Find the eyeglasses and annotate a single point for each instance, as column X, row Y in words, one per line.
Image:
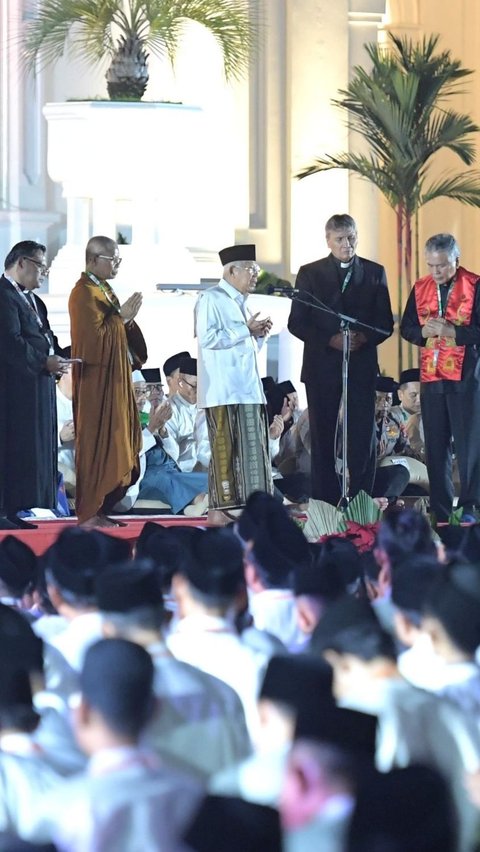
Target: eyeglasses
column 193, row 387
column 116, row 261
column 254, row 269
column 44, row 270
column 154, row 388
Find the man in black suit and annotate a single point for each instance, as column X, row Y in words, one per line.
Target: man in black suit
column 29, row 361
column 358, row 288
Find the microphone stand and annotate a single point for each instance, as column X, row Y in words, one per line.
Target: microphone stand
column 345, row 323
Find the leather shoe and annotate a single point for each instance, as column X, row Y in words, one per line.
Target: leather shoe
column 21, row 524
column 5, row 524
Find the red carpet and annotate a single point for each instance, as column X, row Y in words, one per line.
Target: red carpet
column 47, row 531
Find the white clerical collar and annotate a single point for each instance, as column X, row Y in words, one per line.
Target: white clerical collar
column 346, row 265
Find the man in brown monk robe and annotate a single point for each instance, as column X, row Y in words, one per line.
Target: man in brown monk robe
column 110, row 345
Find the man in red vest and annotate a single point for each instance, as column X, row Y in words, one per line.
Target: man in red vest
column 442, row 316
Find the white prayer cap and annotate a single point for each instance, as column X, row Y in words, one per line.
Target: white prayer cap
column 137, row 376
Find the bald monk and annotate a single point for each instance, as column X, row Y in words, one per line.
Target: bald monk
column 110, row 345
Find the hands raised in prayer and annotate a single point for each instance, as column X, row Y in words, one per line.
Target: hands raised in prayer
column 130, row 308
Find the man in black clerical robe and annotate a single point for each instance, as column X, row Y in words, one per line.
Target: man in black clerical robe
column 28, row 364
column 356, row 287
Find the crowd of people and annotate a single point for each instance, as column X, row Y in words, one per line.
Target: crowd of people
column 242, row 688
column 234, row 685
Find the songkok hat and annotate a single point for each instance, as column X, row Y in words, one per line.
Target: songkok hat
column 152, row 374
column 386, row 384
column 350, row 626
column 21, row 648
column 342, row 554
column 412, row 580
column 78, row 556
column 15, row 688
column 173, row 363
column 465, row 541
column 286, row 387
column 216, row 564
column 279, row 546
column 117, row 680
column 228, row 824
column 407, row 376
column 320, row 577
column 124, row 587
column 405, row 809
column 188, row 366
column 293, row 679
column 268, row 382
column 275, row 397
column 350, row 730
column 234, row 253
column 18, row 565
column 454, row 599
column 167, row 547
column 257, row 507
column 138, row 376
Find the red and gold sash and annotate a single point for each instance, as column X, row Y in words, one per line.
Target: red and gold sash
column 441, row 358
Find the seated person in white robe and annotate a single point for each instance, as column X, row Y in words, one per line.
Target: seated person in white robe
column 451, row 618
column 415, row 726
column 160, row 477
column 25, row 768
column 126, row 799
column 171, row 369
column 187, row 427
column 274, row 548
column 200, row 723
column 71, row 565
column 290, row 682
column 206, row 587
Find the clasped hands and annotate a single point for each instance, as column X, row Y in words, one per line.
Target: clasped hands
column 357, row 340
column 438, row 327
column 159, row 416
column 130, row 308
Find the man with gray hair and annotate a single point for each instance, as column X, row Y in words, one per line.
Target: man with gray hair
column 345, row 283
column 229, row 385
column 442, row 317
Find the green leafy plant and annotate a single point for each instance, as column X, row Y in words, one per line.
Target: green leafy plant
column 266, row 280
column 323, row 519
column 124, row 30
column 399, row 110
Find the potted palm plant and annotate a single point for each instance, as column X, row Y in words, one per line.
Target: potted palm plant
column 125, row 30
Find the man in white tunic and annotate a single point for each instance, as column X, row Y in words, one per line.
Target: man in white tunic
column 229, row 385
column 127, row 799
column 200, row 724
column 188, row 443
column 206, row 588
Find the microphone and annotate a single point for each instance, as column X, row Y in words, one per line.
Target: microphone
column 281, row 290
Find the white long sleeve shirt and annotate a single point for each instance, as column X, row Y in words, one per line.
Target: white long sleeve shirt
column 227, row 366
column 188, row 437
column 66, row 451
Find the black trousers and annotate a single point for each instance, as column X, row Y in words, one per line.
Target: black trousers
column 323, row 399
column 447, row 416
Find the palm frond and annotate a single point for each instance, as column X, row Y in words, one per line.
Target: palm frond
column 363, row 509
column 100, row 25
column 368, row 168
column 449, row 129
column 463, row 187
column 322, row 519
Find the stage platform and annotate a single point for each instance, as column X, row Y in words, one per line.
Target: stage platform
column 48, row 530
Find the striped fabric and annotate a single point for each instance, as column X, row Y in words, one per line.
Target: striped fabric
column 240, row 461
